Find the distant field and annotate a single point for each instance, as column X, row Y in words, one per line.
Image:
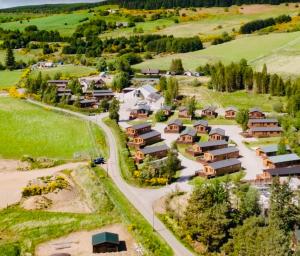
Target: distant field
column 22, row 55
column 252, row 48
column 9, row 78
column 69, row 70
column 239, row 99
column 26, row 129
column 64, row 23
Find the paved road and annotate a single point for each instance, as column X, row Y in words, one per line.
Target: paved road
column 12, row 182
column 142, row 199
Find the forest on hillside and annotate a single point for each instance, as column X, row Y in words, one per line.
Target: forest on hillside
column 157, row 4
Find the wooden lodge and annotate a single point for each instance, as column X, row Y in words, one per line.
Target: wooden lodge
column 256, row 113
column 174, row 126
column 201, row 147
column 167, row 110
column 188, row 136
column 138, row 129
column 145, row 139
column 105, row 242
column 217, row 134
column 262, row 123
column 230, row 112
column 58, row 83
column 222, row 167
column 154, row 151
column 86, row 103
column 281, row 172
column 140, row 111
column 63, row 92
column 264, row 132
column 201, row 126
column 183, row 112
column 221, row 154
column 209, row 111
column 281, row 161
column 270, row 150
column 102, row 94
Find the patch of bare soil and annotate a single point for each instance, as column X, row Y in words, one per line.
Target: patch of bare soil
column 8, row 165
column 79, row 243
column 65, row 200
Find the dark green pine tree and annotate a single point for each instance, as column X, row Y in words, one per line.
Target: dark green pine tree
column 10, row 59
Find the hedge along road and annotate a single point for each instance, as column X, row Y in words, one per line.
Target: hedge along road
column 141, row 198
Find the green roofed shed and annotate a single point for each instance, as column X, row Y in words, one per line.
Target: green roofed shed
column 105, row 242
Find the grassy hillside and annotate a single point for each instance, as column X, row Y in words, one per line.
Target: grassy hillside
column 26, row 129
column 252, row 48
column 9, row 78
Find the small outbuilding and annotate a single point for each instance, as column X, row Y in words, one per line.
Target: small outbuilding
column 201, row 126
column 105, row 242
column 230, row 112
column 209, row 111
column 174, row 126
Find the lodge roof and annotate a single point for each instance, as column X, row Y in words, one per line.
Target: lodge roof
column 165, row 107
column 154, row 149
column 223, row 151
column 255, row 109
column 264, row 120
column 224, row 163
column 102, row 93
column 105, row 237
column 272, row 148
column 266, row 129
column 140, row 126
column 212, row 143
column 210, row 108
column 284, row 158
column 284, row 171
column 176, row 122
column 149, row 135
column 201, row 122
column 217, row 131
column 231, row 108
column 189, row 131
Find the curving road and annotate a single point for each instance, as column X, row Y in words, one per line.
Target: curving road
column 142, row 199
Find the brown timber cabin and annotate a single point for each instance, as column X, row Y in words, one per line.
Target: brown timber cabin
column 270, row 150
column 281, row 161
column 264, row 132
column 138, row 129
column 256, row 113
column 209, row 111
column 199, row 148
column 188, row 136
column 221, row 154
column 201, row 126
column 154, row 151
column 184, row 113
column 174, row 126
column 262, row 123
column 145, row 139
column 222, row 167
column 230, row 112
column 217, row 134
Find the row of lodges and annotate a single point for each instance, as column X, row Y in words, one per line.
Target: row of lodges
column 265, row 127
column 141, row 137
column 278, row 165
column 91, row 97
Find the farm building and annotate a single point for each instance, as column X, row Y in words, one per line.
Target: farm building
column 230, row 112
column 167, row 110
column 141, row 111
column 105, row 242
column 262, row 123
column 138, row 129
column 199, row 148
column 188, row 136
column 256, row 113
column 270, row 150
column 183, row 112
column 145, row 139
column 174, row 126
column 264, row 132
column 209, row 111
column 154, row 151
column 103, row 94
column 281, row 161
column 221, row 154
column 150, row 72
column 222, row 167
column 201, row 126
column 217, row 134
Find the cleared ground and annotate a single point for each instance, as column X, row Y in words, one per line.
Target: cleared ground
column 253, row 48
column 26, row 129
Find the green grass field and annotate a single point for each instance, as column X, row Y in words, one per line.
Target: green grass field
column 239, row 99
column 67, row 71
column 64, row 23
column 21, row 55
column 252, row 48
column 9, row 78
column 26, row 129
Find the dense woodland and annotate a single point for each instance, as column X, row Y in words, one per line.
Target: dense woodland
column 158, row 4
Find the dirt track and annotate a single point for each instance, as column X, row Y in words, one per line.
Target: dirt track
column 12, row 181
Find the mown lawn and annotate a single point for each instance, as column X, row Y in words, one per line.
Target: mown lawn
column 251, row 48
column 26, row 129
column 9, row 78
column 67, row 71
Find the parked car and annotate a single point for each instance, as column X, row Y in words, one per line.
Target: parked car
column 99, row 160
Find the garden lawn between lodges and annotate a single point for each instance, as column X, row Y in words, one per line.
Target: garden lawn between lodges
column 26, row 129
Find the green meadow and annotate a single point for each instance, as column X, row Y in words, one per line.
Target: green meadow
column 253, row 48
column 9, row 78
column 26, row 129
column 22, row 55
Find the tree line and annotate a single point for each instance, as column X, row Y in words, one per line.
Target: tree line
column 158, row 4
column 255, row 25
